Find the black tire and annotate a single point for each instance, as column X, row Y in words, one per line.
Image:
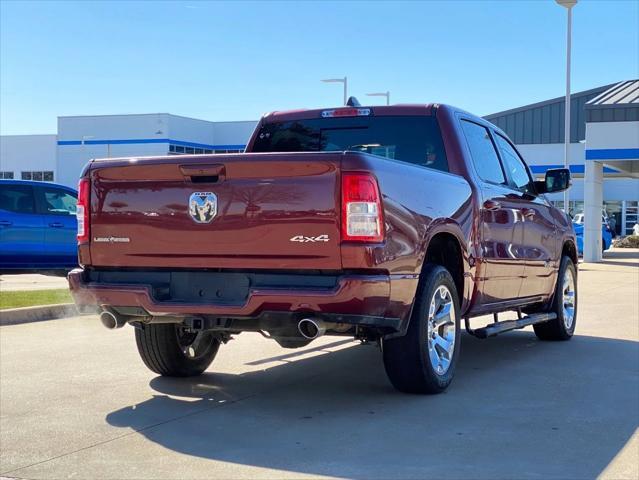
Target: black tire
column 407, row 359
column 560, row 328
column 164, row 349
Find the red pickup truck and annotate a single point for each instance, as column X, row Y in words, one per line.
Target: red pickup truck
column 386, row 224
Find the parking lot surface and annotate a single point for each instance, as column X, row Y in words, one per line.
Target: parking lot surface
column 76, row 402
column 31, row 281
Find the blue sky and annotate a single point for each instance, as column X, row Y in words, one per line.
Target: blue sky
column 237, row 60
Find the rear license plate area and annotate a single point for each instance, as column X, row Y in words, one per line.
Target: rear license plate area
column 206, row 287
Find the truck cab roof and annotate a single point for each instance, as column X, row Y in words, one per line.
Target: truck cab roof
column 383, row 110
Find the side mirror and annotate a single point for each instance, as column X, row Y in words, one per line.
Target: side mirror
column 557, row 180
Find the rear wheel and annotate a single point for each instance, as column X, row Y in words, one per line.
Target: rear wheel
column 424, row 360
column 564, row 305
column 173, row 351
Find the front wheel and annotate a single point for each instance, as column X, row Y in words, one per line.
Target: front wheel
column 564, row 305
column 173, row 351
column 424, row 360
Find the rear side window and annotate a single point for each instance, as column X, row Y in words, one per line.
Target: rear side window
column 415, row 140
column 17, row 198
column 514, row 165
column 483, row 153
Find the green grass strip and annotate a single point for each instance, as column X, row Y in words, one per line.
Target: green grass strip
column 32, row 298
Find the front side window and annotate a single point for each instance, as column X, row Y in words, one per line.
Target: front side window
column 17, row 198
column 514, row 165
column 59, row 202
column 483, row 153
column 414, row 140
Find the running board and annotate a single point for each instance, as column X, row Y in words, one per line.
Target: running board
column 500, row 327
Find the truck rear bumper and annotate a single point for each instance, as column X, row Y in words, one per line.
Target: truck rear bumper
column 353, row 299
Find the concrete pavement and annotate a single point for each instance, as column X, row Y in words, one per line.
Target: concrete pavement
column 31, row 281
column 76, row 401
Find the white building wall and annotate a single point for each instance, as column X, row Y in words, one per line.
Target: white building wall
column 552, row 153
column 233, row 133
column 614, row 189
column 82, row 138
column 22, row 153
column 190, row 130
column 612, row 135
column 113, row 127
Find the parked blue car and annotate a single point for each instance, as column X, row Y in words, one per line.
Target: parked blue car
column 37, row 226
column 606, row 237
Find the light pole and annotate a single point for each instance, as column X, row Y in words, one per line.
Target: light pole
column 84, row 138
column 339, row 80
column 381, row 94
column 568, row 4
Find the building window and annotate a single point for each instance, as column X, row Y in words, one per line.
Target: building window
column 179, row 150
column 42, row 176
column 575, row 206
column 631, row 217
column 6, row 175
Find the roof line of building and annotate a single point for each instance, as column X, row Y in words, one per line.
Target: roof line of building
column 623, row 94
column 549, row 102
column 28, row 135
column 155, row 114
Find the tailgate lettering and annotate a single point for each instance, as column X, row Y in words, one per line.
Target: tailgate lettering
column 305, row 239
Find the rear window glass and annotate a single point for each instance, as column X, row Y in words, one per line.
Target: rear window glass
column 415, row 140
column 17, row 198
column 483, row 153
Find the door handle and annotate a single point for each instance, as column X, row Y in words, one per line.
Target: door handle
column 5, row 223
column 56, row 225
column 200, row 173
column 492, row 205
column 528, row 212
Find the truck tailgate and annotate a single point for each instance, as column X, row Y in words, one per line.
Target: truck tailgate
column 222, row 211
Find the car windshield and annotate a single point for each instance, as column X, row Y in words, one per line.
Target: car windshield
column 415, row 139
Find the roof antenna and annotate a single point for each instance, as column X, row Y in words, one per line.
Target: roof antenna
column 353, row 102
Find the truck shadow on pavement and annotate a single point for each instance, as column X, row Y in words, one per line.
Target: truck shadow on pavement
column 518, row 408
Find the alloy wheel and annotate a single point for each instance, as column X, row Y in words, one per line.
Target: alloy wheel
column 441, row 330
column 568, row 299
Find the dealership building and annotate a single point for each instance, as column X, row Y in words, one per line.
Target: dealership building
column 60, row 157
column 603, row 153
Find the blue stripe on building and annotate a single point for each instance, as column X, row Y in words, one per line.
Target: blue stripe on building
column 538, row 169
column 612, row 154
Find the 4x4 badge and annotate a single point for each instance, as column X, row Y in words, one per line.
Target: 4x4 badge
column 202, row 206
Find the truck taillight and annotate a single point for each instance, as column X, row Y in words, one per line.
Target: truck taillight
column 82, row 212
column 362, row 219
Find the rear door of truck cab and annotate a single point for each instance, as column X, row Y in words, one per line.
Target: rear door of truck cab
column 21, row 227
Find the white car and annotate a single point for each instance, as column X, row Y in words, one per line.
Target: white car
column 579, row 218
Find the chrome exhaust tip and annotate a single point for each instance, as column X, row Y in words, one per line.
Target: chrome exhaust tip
column 110, row 320
column 311, row 328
